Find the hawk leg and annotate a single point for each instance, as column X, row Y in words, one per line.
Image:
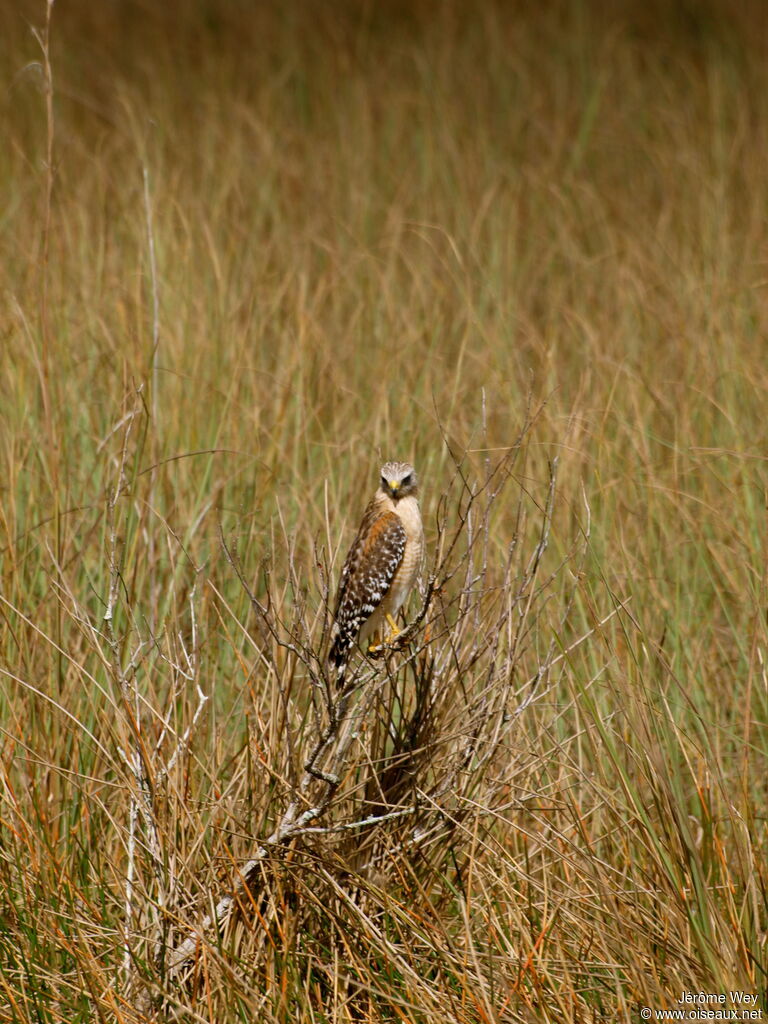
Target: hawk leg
column 394, row 630
column 375, row 642
column 378, row 641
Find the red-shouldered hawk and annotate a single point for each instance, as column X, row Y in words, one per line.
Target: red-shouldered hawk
column 381, row 567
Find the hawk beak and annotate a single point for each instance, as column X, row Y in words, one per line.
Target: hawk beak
column 394, row 485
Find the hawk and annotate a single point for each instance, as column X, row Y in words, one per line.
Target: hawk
column 381, row 567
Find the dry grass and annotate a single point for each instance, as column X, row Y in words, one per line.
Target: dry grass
column 269, row 248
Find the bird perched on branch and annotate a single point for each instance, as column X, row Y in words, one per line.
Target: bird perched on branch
column 381, row 567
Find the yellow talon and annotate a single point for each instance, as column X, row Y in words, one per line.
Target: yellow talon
column 377, row 641
column 394, row 629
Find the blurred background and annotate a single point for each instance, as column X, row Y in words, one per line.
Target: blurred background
column 250, row 250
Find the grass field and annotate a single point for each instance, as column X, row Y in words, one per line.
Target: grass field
column 247, row 253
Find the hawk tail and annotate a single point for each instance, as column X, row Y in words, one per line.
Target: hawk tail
column 338, row 658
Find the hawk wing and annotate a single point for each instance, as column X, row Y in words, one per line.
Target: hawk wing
column 369, row 569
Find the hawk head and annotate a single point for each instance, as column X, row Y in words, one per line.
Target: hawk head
column 398, row 480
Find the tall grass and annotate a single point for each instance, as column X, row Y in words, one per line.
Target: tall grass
column 245, row 255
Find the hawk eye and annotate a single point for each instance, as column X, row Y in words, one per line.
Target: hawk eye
column 407, row 480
